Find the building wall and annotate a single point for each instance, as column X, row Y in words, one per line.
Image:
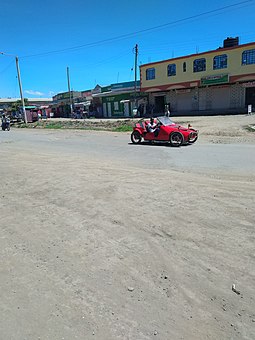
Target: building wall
column 235, row 70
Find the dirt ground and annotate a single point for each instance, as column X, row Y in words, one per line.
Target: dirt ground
column 222, row 129
column 106, row 250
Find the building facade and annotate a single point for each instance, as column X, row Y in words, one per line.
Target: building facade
column 120, row 99
column 6, row 103
column 62, row 102
column 213, row 82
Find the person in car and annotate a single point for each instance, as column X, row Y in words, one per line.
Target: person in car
column 152, row 127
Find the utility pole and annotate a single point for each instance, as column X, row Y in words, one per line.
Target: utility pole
column 70, row 97
column 136, row 55
column 20, row 90
column 20, row 85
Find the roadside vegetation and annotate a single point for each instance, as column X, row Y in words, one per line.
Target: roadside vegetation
column 250, row 128
column 116, row 126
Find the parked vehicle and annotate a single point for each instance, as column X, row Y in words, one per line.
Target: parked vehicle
column 166, row 131
column 16, row 116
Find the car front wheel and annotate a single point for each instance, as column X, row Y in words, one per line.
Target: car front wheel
column 193, row 140
column 176, row 139
column 136, row 137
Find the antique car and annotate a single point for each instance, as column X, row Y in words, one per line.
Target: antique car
column 165, row 130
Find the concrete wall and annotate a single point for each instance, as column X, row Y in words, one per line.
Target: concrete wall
column 204, row 100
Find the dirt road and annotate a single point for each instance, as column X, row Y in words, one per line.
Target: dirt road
column 101, row 242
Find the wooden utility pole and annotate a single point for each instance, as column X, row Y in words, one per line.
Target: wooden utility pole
column 20, row 85
column 70, row 97
column 20, row 90
column 136, row 55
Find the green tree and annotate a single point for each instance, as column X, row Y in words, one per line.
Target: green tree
column 18, row 104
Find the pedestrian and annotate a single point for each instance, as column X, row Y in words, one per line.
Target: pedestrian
column 167, row 110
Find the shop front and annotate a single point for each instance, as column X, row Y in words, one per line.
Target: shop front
column 250, row 94
column 119, row 105
column 120, row 100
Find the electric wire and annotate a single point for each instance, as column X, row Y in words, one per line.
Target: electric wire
column 7, row 67
column 128, row 35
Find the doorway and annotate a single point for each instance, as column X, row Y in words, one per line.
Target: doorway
column 109, row 109
column 104, row 110
column 159, row 104
column 250, row 96
column 126, row 109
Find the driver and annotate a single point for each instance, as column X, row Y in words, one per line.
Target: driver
column 153, row 127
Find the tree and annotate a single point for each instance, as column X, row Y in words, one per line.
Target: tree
column 18, row 104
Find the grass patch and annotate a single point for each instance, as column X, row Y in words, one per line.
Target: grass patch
column 123, row 128
column 52, row 125
column 115, row 126
column 250, row 128
column 21, row 125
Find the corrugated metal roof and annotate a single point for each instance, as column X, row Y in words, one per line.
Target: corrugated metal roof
column 30, row 100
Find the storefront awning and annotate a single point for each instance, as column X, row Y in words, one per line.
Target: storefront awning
column 88, row 102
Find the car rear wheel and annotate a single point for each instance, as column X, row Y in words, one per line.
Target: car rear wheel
column 176, row 139
column 136, row 137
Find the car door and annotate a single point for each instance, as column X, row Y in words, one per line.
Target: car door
column 162, row 134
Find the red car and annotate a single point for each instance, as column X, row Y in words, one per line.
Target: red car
column 166, row 131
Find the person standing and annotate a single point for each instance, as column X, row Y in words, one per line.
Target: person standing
column 167, row 110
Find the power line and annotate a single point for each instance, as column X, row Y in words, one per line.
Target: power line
column 124, row 36
column 110, row 59
column 7, row 67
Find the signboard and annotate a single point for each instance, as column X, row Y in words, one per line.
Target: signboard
column 66, row 95
column 106, row 89
column 156, row 94
column 126, row 84
column 250, row 84
column 216, row 79
column 249, row 109
column 194, row 84
column 85, row 94
column 182, row 91
column 63, row 95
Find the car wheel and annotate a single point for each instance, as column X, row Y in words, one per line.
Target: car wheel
column 176, row 139
column 136, row 137
column 193, row 140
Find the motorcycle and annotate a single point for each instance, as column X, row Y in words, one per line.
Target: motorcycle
column 6, row 124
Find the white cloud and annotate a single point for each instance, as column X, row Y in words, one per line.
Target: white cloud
column 34, row 93
column 51, row 93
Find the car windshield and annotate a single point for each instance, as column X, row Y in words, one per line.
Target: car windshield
column 165, row 120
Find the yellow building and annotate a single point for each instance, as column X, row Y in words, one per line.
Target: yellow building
column 218, row 81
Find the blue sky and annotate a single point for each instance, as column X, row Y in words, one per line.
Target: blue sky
column 45, row 34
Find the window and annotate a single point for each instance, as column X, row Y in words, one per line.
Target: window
column 171, row 70
column 220, row 61
column 150, row 73
column 248, row 57
column 184, row 67
column 199, row 65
